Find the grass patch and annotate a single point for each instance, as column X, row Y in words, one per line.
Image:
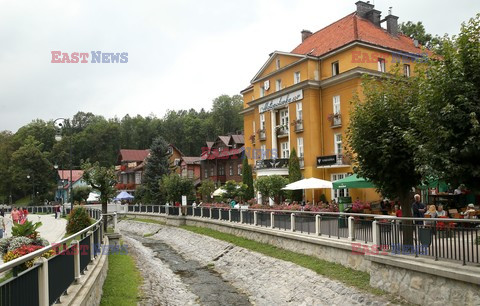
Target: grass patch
column 331, row 270
column 145, row 220
column 123, row 280
column 148, row 235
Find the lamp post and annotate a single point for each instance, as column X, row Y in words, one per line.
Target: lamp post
column 33, row 188
column 58, row 137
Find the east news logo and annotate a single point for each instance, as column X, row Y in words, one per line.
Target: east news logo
column 97, row 57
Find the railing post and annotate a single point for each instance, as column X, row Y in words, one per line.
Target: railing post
column 167, row 210
column 375, row 234
column 76, row 259
column 180, row 210
column 92, row 250
column 292, row 222
column 201, row 212
column 351, row 228
column 220, row 214
column 43, row 294
column 99, row 233
column 255, row 217
column 241, row 216
column 272, row 220
column 318, row 231
column 210, row 213
column 229, row 215
column 115, row 222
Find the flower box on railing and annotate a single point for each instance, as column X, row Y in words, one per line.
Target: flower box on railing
column 335, row 119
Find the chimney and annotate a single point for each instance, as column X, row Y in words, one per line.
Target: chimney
column 363, row 8
column 392, row 24
column 306, row 34
column 374, row 16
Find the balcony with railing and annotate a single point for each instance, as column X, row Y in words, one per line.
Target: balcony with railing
column 335, row 120
column 262, row 135
column 298, row 125
column 282, row 130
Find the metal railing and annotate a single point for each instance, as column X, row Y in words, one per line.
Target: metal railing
column 48, row 279
column 451, row 239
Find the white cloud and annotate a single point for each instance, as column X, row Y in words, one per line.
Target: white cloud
column 182, row 54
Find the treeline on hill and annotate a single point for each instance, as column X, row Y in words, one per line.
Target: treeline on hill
column 33, row 151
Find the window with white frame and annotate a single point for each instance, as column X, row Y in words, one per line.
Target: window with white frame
column 263, row 148
column 221, row 170
column 296, row 77
column 262, row 122
column 336, row 193
column 381, row 65
column 278, row 85
column 190, row 173
column 284, row 117
column 262, row 91
column 299, row 111
column 205, row 170
column 300, row 151
column 230, row 170
column 335, row 68
column 285, row 150
column 338, row 144
column 406, row 70
column 336, row 105
column 239, row 169
column 212, row 169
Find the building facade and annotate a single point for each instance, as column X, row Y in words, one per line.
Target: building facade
column 221, row 160
column 301, row 99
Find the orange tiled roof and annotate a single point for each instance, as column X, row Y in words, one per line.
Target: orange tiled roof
column 353, row 28
column 64, row 174
column 133, row 155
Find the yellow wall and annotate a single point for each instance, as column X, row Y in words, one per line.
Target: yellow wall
column 317, row 104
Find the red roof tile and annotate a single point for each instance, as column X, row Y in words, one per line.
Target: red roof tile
column 133, row 155
column 353, row 28
column 65, row 174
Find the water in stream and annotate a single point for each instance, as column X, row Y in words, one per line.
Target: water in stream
column 203, row 281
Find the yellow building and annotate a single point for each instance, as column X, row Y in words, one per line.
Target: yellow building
column 301, row 98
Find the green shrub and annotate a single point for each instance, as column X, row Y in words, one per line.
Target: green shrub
column 77, row 220
column 27, row 229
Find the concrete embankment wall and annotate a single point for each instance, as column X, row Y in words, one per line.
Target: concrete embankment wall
column 418, row 280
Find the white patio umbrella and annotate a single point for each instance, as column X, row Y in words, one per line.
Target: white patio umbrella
column 310, row 183
column 218, row 192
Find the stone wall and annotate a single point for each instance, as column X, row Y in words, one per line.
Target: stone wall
column 420, row 281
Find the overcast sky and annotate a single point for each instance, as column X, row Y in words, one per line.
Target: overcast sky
column 181, row 53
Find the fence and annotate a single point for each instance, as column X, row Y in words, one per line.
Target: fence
column 47, row 280
column 449, row 239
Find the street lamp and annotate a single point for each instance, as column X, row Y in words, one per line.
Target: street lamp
column 59, row 123
column 33, row 188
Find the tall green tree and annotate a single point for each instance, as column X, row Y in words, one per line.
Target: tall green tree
column 102, row 179
column 174, row 186
column 30, row 160
column 379, row 122
column 6, row 151
column 417, row 31
column 446, row 121
column 247, row 179
column 294, row 174
column 156, row 167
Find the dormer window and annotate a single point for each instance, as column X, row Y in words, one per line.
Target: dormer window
column 335, row 68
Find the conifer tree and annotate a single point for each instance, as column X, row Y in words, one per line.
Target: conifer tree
column 294, row 174
column 248, row 179
column 156, row 167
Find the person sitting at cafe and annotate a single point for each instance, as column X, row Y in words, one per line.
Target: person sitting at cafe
column 432, row 211
column 469, row 212
column 441, row 212
column 398, row 211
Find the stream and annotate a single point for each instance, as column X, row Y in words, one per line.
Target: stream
column 201, row 280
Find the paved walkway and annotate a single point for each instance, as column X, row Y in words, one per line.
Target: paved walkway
column 52, row 229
